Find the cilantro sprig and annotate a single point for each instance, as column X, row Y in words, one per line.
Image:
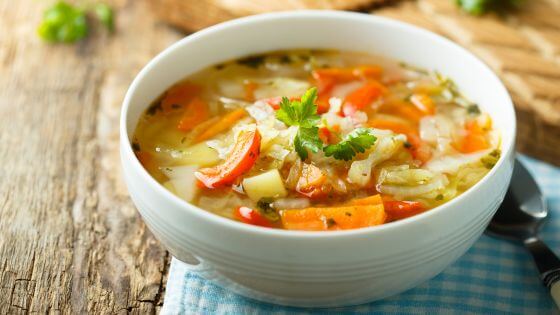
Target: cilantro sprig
column 355, row 142
column 302, row 113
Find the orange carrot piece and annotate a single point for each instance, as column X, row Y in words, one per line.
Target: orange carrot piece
column 361, row 97
column 242, row 157
column 395, row 126
column 226, row 122
column 371, row 200
column 341, row 75
column 424, row 103
column 333, row 218
column 195, row 113
column 250, row 87
column 179, row 96
column 474, row 140
column 311, row 181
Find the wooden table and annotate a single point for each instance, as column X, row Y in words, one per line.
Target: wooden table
column 70, row 239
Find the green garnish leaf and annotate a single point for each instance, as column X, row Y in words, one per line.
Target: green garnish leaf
column 63, row 23
column 301, row 113
column 267, row 210
column 307, row 139
column 491, row 159
column 105, row 14
column 473, row 109
column 478, row 7
column 355, row 142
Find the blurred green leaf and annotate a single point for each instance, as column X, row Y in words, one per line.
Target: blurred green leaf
column 105, row 14
column 64, row 23
column 478, row 7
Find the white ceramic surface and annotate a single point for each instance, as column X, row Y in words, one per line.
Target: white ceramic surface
column 318, row 268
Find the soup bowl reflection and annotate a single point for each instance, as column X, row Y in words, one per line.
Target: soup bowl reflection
column 302, row 268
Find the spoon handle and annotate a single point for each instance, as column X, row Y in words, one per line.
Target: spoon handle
column 548, row 264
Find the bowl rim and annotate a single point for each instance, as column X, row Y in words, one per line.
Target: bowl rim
column 127, row 153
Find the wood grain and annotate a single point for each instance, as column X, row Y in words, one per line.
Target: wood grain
column 195, row 15
column 70, row 239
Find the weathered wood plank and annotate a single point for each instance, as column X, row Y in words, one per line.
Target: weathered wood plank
column 70, row 239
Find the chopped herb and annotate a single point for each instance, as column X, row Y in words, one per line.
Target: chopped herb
column 169, row 169
column 135, row 146
column 491, row 159
column 305, row 57
column 183, row 139
column 252, row 61
column 105, row 14
column 266, row 209
column 355, row 142
column 285, row 59
column 439, row 197
column 473, row 109
column 154, row 108
column 407, row 145
column 406, row 66
column 331, row 222
column 348, row 214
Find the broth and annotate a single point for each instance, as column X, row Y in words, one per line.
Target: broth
column 315, row 140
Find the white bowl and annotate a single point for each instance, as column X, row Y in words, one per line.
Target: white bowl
column 318, row 268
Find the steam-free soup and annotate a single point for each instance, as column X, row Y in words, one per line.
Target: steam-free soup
column 316, row 140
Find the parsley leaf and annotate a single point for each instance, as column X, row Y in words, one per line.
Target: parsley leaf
column 355, row 142
column 307, row 138
column 301, row 113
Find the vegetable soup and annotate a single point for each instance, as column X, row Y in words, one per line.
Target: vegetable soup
column 316, row 140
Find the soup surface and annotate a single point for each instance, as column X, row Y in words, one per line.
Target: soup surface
column 315, row 140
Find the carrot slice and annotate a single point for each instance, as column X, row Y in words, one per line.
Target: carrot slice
column 361, row 97
column 242, row 157
column 474, row 140
column 334, row 218
column 311, row 181
column 341, row 75
column 397, row 210
column 424, row 103
column 179, row 96
column 250, row 87
column 195, row 113
column 226, row 122
column 371, row 200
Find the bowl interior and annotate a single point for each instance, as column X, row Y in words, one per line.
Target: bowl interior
column 327, row 30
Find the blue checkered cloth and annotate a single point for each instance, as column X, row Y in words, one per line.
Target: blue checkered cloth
column 493, row 277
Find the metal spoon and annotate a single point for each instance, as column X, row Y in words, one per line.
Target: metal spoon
column 519, row 218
